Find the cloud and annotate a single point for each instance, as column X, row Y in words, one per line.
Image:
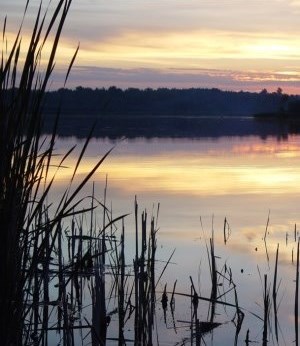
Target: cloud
column 295, row 3
column 92, row 76
column 95, row 22
column 152, row 42
column 196, row 49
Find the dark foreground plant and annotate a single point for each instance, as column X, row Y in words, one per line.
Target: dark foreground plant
column 42, row 287
column 27, row 235
column 43, row 282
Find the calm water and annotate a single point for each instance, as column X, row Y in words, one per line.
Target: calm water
column 199, row 182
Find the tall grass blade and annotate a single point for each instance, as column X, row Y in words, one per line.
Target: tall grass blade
column 297, row 297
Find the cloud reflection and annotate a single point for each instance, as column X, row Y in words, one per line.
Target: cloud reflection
column 271, row 167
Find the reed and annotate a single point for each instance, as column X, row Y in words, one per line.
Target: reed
column 247, row 340
column 275, row 289
column 297, row 297
column 122, row 288
column 24, row 163
column 145, row 281
column 214, row 279
column 30, row 238
column 266, row 299
column 46, row 285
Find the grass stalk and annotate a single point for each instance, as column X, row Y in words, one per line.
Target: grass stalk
column 136, row 277
column 22, row 163
column 121, row 288
column 297, row 297
column 266, row 298
column 214, row 280
column 275, row 288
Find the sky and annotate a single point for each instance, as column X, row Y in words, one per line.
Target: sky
column 226, row 44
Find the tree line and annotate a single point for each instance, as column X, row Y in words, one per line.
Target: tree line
column 166, row 102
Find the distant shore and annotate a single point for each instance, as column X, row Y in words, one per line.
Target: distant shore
column 164, row 102
column 169, row 112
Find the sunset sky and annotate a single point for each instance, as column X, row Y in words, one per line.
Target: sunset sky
column 227, row 44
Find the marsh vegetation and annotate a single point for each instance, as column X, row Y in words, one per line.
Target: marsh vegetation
column 66, row 274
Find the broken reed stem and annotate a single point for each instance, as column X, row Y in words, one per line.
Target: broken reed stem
column 172, row 301
column 247, row 340
column 192, row 314
column 136, row 277
column 142, row 279
column 46, row 271
column 214, row 279
column 266, row 310
column 240, row 316
column 297, row 296
column 121, row 288
column 151, row 284
column 103, row 250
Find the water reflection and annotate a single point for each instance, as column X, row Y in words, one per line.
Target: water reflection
column 171, row 126
column 226, row 166
column 240, row 178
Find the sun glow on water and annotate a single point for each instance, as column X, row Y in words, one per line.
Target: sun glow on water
column 250, row 168
column 198, row 183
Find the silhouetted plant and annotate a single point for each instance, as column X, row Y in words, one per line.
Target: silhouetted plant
column 27, row 234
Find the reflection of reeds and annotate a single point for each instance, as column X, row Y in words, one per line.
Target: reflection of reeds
column 239, row 317
column 32, row 255
column 144, row 276
column 247, row 340
column 199, row 329
column 45, row 284
column 226, row 231
column 265, row 239
column 121, row 288
column 214, row 279
column 266, row 298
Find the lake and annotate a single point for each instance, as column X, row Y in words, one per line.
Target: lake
column 251, row 181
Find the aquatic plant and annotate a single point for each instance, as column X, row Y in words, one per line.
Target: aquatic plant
column 54, row 267
column 28, row 234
